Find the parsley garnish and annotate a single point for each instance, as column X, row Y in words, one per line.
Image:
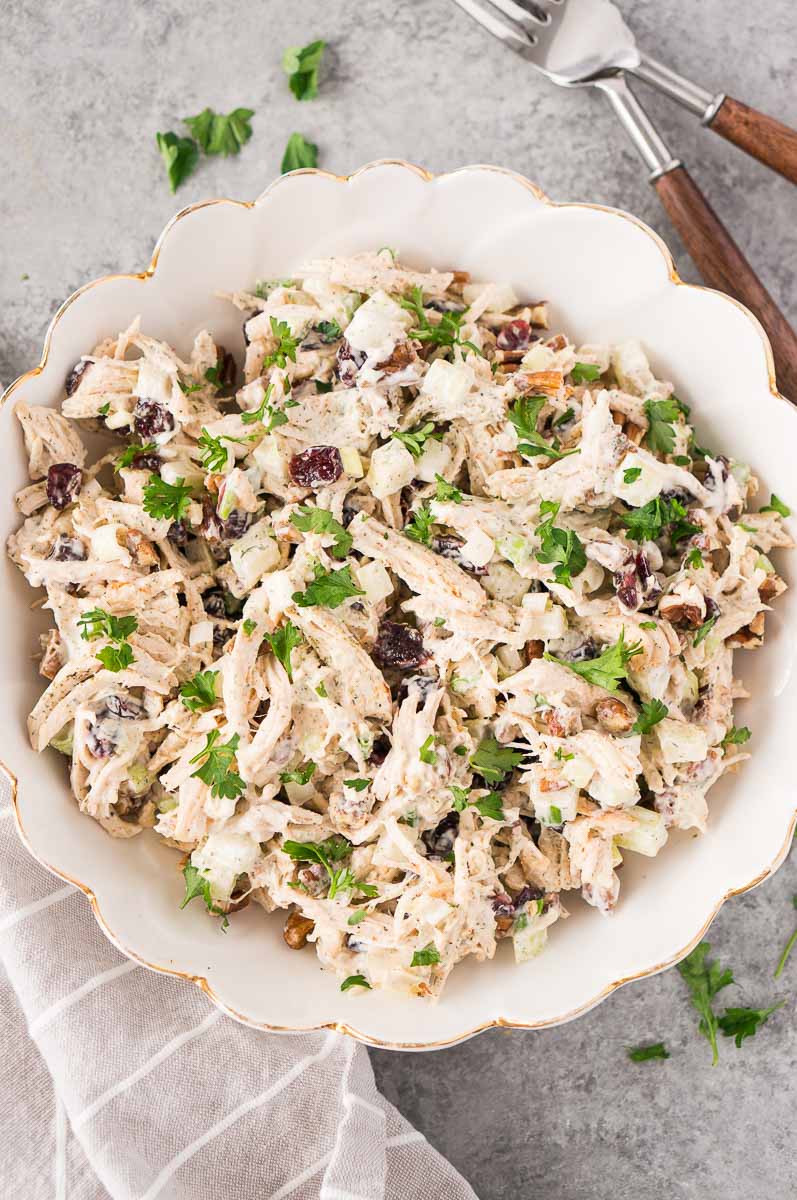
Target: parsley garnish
column 523, row 414
column 447, row 332
column 461, row 797
column 286, row 345
column 608, row 668
column 355, row 981
column 563, row 418
column 643, row 1053
column 319, row 520
column 216, row 769
column 651, row 712
column 560, row 546
column 420, row 527
column 446, row 492
column 322, row 386
column 555, row 814
column 493, row 761
column 282, row 641
column 787, row 949
column 647, row 523
column 426, row 957
column 427, row 752
column 330, row 851
column 704, row 630
column 490, row 806
column 220, row 134
column 301, row 65
column 585, row 373
column 276, row 416
column 415, row 440
column 358, row 785
column 116, row 658
column 126, row 457
column 180, row 156
column 660, row 414
column 322, row 691
column 299, row 153
column 166, row 500
column 104, row 409
column 694, row 558
column 96, row 622
column 329, row 331
column 648, row 625
column 704, row 979
column 213, row 454
column 356, row 917
column 329, row 588
column 631, row 474
column 197, row 885
column 249, row 626
column 776, row 505
column 301, row 775
column 736, row 737
column 741, row 1023
column 199, row 692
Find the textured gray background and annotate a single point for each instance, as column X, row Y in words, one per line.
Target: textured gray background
column 85, row 85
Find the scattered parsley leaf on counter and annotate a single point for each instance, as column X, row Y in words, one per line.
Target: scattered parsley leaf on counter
column 585, row 373
column 319, row 520
column 493, row 761
column 358, row 785
column 282, row 641
column 704, row 979
column 644, row 1053
column 426, row 957
column 741, row 1023
column 301, row 65
column 415, row 440
column 199, row 692
column 132, row 451
column 776, row 505
column 661, row 414
column 197, row 885
column 301, row 775
column 215, row 769
column 286, row 345
column 299, row 153
column 420, row 527
column 608, row 668
column 523, row 414
column 169, row 501
column 787, row 949
column 736, row 737
column 116, row 658
column 427, row 752
column 704, row 630
column 220, row 134
column 355, row 981
column 180, row 155
column 650, row 713
column 329, row 588
column 447, row 332
column 446, row 492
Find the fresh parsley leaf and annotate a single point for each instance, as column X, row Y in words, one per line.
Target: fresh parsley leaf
column 682, row 460
column 282, row 641
column 321, row 691
column 322, row 386
column 704, row 979
column 199, row 692
column 116, row 658
column 249, row 626
column 648, row 625
column 272, row 418
column 644, row 1053
column 704, row 630
column 560, row 546
column 104, row 409
column 355, row 981
column 420, row 527
column 646, row 524
column 585, row 373
column 427, row 752
column 631, row 474
column 741, row 1023
column 358, row 785
column 220, row 134
column 169, row 501
column 213, row 454
column 301, row 66
column 523, row 414
column 563, row 418
column 555, row 813
column 426, row 957
column 319, row 520
column 608, row 668
column 415, row 440
column 446, row 333
column 96, row 622
column 197, row 885
column 491, row 806
column 787, row 949
column 736, row 737
column 125, row 459
column 329, row 331
column 180, row 156
column 356, row 917
column 461, row 797
column 216, row 766
column 285, row 348
column 332, row 849
column 493, row 761
column 776, row 505
column 694, row 558
column 661, row 434
column 329, row 588
column 446, row 492
column 299, row 153
column 301, row 775
column 651, row 712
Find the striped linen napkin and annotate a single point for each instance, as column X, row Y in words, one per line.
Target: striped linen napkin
column 116, row 1082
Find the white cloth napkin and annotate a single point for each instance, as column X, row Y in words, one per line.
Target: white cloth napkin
column 116, row 1082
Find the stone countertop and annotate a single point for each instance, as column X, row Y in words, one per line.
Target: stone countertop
column 561, row 1114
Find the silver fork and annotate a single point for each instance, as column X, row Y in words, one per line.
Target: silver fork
column 580, row 43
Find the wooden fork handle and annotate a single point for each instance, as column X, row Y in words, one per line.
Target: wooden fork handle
column 771, row 142
column 723, row 266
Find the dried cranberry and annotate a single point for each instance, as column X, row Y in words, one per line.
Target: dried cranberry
column 68, row 549
column 316, row 467
column 399, row 646
column 151, row 418
column 448, row 546
column 625, row 583
column 712, row 608
column 178, row 533
column 349, row 514
column 146, row 462
column 439, row 841
column 220, row 533
column 379, row 750
column 349, row 362
column 124, row 707
column 100, row 746
column 681, row 494
column 514, row 335
column 582, row 653
column 213, row 604
column 444, row 306
column 527, row 893
column 64, row 481
column 226, row 369
column 422, row 685
column 72, row 382
column 222, row 635
column 503, row 905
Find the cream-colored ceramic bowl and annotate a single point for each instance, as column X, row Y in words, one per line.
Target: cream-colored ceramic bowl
column 607, row 277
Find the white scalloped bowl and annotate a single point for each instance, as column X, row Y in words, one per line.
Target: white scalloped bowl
column 607, row 277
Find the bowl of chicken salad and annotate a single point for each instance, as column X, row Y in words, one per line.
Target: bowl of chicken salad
column 383, row 587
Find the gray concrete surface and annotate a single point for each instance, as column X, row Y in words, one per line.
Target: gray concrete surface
column 85, row 85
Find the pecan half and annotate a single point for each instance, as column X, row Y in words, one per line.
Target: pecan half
column 296, row 930
column 613, row 715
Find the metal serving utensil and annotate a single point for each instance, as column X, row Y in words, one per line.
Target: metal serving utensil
column 579, row 43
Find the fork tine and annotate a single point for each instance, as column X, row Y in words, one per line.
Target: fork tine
column 494, row 17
